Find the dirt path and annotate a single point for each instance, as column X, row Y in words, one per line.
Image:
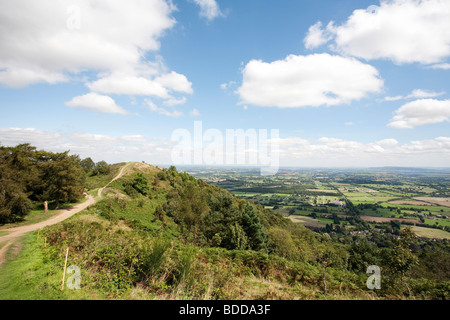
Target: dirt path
column 14, row 233
column 119, row 175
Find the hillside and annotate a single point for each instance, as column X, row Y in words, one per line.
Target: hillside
column 157, row 233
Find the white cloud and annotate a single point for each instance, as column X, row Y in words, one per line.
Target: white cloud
column 89, row 139
column 316, row 37
column 176, row 82
column 443, row 66
column 134, row 138
column 96, row 102
column 335, row 152
column 228, row 85
column 106, row 43
column 173, row 101
column 293, row 151
column 111, row 36
column 194, row 113
column 209, row 9
column 154, row 108
column 49, row 140
column 129, row 85
column 18, row 77
column 395, row 98
column 161, row 87
column 313, row 80
column 416, row 94
column 387, row 142
column 421, row 112
column 97, row 146
column 404, row 31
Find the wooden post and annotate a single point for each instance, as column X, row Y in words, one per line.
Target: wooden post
column 64, row 273
column 38, row 234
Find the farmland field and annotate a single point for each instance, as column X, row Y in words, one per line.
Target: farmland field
column 320, row 197
column 431, row 233
column 381, row 219
column 438, row 201
column 307, row 221
column 411, row 202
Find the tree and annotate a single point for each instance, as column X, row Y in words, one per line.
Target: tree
column 253, row 228
column 101, row 168
column 281, row 243
column 140, row 184
column 16, row 177
column 336, row 218
column 62, row 178
column 27, row 175
column 363, row 254
column 401, row 259
column 87, row 164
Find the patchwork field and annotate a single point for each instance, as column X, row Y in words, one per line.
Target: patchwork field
column 383, row 219
column 411, row 202
column 307, row 221
column 434, row 200
column 431, row 233
column 306, row 196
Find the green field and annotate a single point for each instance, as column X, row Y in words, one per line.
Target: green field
column 431, row 233
column 308, row 221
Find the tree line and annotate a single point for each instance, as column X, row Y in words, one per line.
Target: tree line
column 29, row 176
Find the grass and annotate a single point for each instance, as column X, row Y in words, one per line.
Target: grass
column 431, row 233
column 308, row 221
column 196, row 273
column 99, row 181
column 30, row 277
column 38, row 214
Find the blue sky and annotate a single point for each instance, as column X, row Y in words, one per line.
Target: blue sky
column 346, row 83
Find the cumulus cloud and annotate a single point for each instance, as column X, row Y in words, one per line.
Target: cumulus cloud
column 387, row 142
column 293, row 151
column 316, row 36
column 329, row 151
column 421, row 112
column 416, row 94
column 176, row 82
column 109, row 36
column 15, row 136
column 443, row 66
column 97, row 146
column 154, row 108
column 209, row 9
column 107, row 43
column 173, row 101
column 313, row 80
column 129, row 85
column 96, row 102
column 404, row 31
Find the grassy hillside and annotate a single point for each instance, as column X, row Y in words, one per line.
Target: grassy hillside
column 161, row 234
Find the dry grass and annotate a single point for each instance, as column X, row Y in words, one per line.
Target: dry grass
column 433, row 200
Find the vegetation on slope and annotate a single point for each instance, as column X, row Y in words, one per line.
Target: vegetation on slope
column 159, row 234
